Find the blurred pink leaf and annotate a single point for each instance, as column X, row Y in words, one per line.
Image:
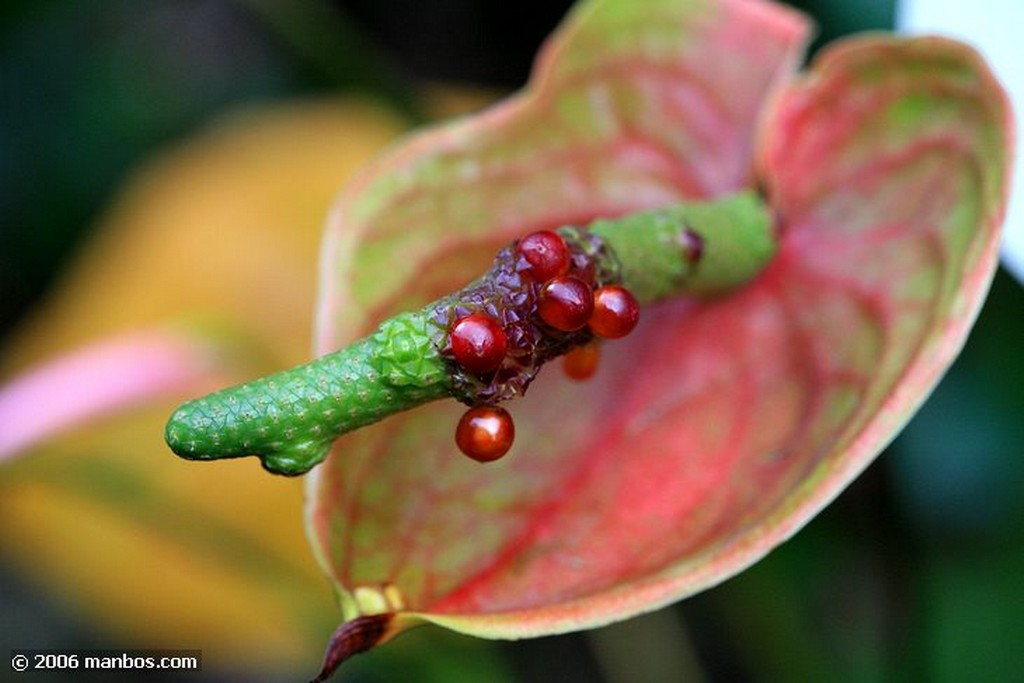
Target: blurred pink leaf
column 107, row 377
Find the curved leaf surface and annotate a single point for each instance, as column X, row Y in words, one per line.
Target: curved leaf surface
column 717, row 429
column 632, row 106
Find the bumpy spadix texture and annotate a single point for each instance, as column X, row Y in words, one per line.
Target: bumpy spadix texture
column 717, row 428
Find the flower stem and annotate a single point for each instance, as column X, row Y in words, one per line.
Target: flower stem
column 290, row 419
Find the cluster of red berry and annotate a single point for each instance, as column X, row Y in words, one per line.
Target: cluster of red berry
column 565, row 303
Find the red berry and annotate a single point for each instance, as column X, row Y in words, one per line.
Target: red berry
column 566, row 303
column 616, row 312
column 478, row 343
column 485, row 433
column 581, row 362
column 546, row 253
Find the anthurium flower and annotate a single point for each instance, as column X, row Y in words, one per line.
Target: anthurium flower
column 718, row 428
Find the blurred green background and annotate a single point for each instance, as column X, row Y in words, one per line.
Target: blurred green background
column 916, row 573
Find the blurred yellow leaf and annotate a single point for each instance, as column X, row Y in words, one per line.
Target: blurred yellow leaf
column 220, row 233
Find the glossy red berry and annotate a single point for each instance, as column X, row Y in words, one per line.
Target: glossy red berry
column 485, row 433
column 478, row 343
column 581, row 362
column 616, row 312
column 566, row 303
column 546, row 253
